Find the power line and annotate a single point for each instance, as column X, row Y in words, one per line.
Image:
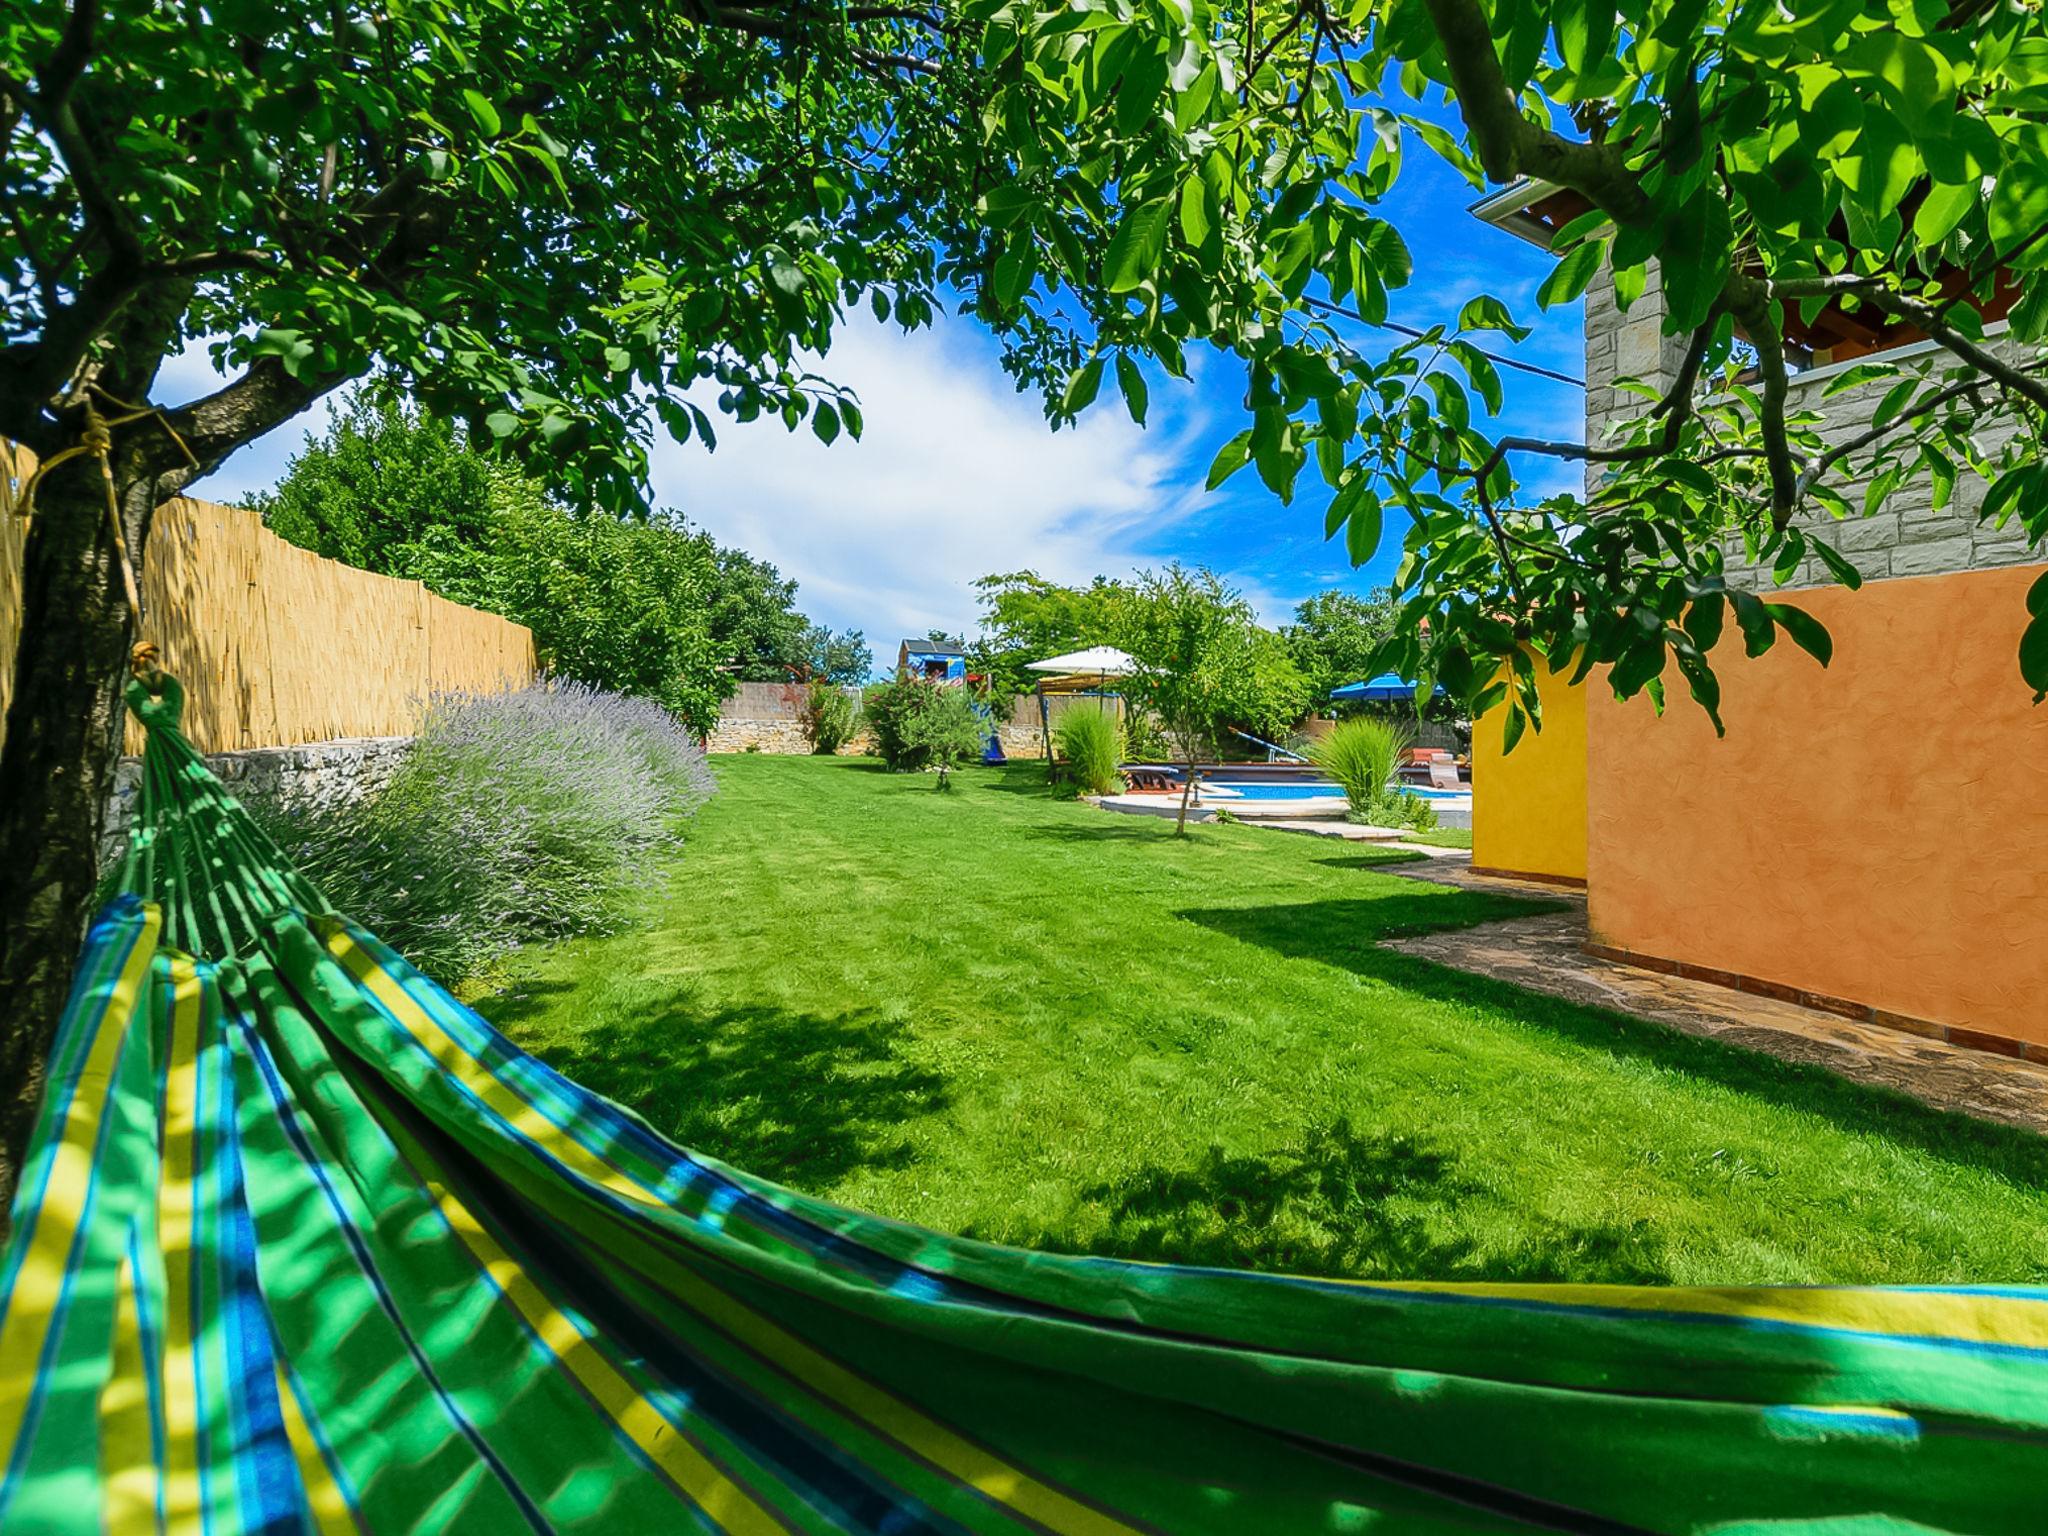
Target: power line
column 1411, row 332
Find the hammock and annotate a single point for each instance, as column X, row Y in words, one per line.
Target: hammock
column 303, row 1244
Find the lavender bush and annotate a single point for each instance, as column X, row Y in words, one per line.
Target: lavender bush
column 516, row 817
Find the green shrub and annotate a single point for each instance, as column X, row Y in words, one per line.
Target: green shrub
column 1418, row 814
column 1362, row 755
column 516, row 817
column 945, row 728
column 830, row 718
column 1093, row 746
column 886, row 708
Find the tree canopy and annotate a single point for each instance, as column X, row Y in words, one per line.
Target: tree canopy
column 1336, row 636
column 646, row 605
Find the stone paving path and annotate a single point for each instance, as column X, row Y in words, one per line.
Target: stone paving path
column 1543, row 954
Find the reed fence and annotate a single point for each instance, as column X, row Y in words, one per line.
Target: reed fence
column 275, row 645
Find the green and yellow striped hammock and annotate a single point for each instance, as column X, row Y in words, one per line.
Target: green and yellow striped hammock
column 304, row 1245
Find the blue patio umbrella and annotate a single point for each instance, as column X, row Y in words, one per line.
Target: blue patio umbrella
column 1387, row 688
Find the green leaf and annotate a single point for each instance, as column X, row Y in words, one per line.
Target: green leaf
column 1135, row 250
column 1807, row 632
column 1013, row 276
column 1703, row 620
column 1695, row 259
column 1230, row 458
column 825, row 422
column 2005, row 494
column 849, row 413
column 1942, row 210
column 2037, row 596
column 2034, row 656
column 783, row 271
column 481, row 109
column 1362, row 531
column 1195, row 223
column 1838, row 567
column 2019, row 203
column 1132, row 382
column 1486, row 313
column 1003, row 206
column 1081, row 387
column 1511, row 734
column 1754, row 619
column 1572, row 275
column 1138, row 93
column 1585, row 32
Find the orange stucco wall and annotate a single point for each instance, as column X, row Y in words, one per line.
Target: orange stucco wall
column 1529, row 805
column 1876, row 832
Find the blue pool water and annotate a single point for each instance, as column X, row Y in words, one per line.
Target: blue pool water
column 1314, row 790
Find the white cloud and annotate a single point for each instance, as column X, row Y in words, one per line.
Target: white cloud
column 956, row 476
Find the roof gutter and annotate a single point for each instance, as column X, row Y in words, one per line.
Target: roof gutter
column 1508, row 209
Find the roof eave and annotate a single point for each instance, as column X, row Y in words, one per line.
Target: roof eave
column 1508, row 209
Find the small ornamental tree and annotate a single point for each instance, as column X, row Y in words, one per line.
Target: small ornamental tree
column 944, row 728
column 1199, row 660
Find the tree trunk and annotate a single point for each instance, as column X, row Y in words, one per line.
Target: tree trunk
column 1180, row 826
column 57, row 769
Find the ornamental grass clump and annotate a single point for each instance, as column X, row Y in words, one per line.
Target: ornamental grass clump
column 1362, row 755
column 516, row 817
column 1093, row 746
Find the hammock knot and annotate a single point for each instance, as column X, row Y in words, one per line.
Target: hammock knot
column 154, row 697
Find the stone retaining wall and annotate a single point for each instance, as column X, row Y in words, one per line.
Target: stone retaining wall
column 344, row 770
column 784, row 737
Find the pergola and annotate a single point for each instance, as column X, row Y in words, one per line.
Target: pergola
column 1077, row 674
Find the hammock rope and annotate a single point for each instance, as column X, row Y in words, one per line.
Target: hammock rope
column 304, row 1245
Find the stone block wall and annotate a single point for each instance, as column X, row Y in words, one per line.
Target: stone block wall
column 1903, row 537
column 343, row 771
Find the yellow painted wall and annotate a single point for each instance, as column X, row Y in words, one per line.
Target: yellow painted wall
column 1529, row 805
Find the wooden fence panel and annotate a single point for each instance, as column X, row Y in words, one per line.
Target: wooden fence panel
column 276, row 646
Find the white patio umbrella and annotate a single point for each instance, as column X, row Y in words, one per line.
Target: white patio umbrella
column 1105, row 661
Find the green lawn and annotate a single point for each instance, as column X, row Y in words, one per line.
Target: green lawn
column 1028, row 1020
column 1442, row 837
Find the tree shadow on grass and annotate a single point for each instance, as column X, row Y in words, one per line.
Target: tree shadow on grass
column 799, row 1098
column 1346, row 1204
column 1374, row 860
column 1113, row 829
column 1346, row 932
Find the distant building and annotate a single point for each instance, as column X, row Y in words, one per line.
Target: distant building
column 934, row 660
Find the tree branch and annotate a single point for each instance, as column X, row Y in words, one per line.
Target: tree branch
column 60, row 72
column 1509, row 144
column 213, row 427
column 1928, row 319
column 1752, row 302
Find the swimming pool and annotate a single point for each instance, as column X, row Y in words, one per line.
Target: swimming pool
column 1311, row 789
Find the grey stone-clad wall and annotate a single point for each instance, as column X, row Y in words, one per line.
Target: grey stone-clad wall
column 1625, row 345
column 1903, row 537
column 342, row 770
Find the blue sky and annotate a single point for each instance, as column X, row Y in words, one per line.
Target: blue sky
column 958, row 475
